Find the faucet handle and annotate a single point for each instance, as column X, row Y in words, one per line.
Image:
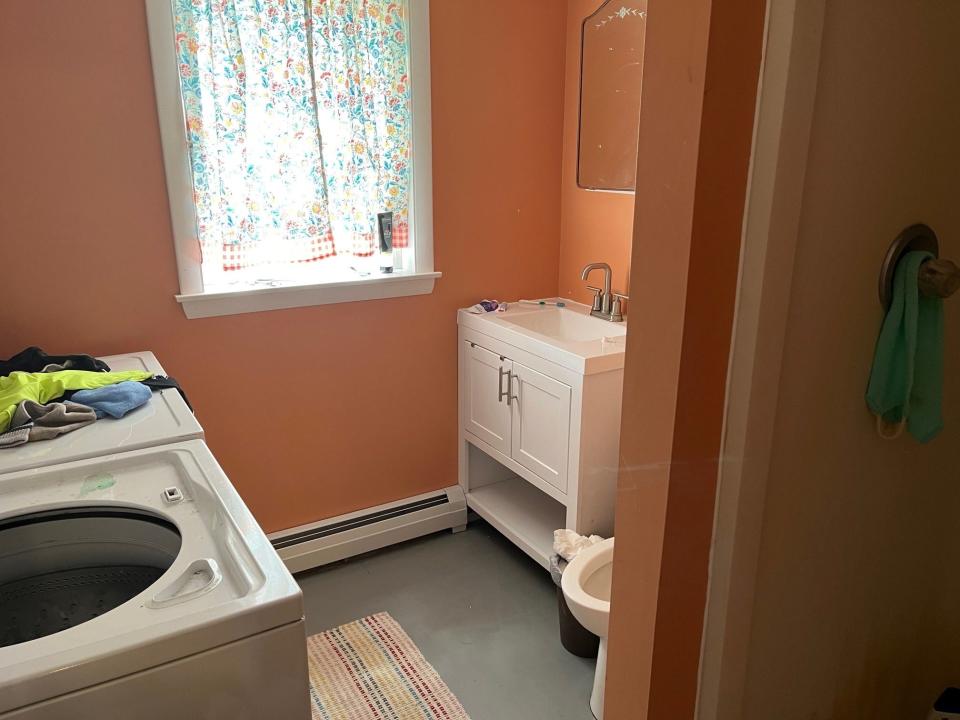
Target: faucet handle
column 597, row 297
column 616, row 310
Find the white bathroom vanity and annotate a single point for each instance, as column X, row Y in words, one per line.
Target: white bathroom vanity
column 540, row 394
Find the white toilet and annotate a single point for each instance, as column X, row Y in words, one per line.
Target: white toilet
column 586, row 586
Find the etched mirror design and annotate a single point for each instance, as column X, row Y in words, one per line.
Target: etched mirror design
column 611, row 70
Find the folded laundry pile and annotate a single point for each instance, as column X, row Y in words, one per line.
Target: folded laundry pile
column 44, row 396
column 33, row 421
column 28, row 413
column 114, row 400
column 37, row 394
column 33, row 359
column 44, row 387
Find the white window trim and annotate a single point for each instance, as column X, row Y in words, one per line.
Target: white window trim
column 198, row 304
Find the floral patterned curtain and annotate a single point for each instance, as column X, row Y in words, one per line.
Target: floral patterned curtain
column 363, row 95
column 298, row 124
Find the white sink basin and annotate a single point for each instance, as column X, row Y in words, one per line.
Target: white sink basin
column 565, row 324
column 568, row 336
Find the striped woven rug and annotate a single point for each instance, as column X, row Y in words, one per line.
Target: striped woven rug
column 371, row 670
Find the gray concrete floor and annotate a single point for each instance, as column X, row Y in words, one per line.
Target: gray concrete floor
column 482, row 613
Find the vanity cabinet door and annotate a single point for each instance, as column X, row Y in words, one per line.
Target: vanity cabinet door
column 541, row 425
column 487, row 406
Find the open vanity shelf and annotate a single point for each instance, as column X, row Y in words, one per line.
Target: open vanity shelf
column 539, row 423
column 525, row 515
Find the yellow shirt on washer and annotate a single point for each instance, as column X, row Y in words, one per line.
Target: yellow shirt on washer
column 44, row 387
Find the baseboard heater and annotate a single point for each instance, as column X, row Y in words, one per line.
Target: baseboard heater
column 319, row 543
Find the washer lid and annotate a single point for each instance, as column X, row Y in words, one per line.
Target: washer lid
column 226, row 583
column 164, row 419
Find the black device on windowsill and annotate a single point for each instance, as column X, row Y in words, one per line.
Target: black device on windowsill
column 385, row 231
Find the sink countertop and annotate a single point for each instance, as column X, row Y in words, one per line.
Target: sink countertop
column 567, row 336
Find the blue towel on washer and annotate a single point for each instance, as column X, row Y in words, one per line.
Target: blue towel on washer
column 114, row 400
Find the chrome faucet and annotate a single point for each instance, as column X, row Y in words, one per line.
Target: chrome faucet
column 606, row 303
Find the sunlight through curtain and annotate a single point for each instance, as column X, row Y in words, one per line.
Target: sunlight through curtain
column 298, row 124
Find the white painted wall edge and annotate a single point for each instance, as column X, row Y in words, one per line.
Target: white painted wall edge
column 213, row 304
column 452, row 515
column 785, row 108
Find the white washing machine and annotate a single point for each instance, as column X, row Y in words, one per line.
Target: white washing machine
column 138, row 585
column 165, row 418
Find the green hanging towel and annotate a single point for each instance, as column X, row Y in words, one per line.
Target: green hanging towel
column 906, row 381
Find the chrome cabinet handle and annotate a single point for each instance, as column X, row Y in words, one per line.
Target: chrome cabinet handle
column 509, row 392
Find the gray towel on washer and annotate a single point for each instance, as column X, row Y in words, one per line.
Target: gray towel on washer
column 33, row 421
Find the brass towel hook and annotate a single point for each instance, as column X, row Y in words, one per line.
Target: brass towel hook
column 937, row 277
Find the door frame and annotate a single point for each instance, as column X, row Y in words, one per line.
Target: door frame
column 698, row 113
column 691, row 489
column 785, row 110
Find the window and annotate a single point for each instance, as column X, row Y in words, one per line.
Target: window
column 288, row 126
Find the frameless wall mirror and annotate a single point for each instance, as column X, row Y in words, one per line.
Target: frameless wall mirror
column 611, row 69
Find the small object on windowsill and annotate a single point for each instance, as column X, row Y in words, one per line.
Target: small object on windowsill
column 385, row 232
column 399, row 258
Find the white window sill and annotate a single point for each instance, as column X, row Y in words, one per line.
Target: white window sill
column 213, row 304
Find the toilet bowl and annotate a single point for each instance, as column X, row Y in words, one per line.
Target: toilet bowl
column 586, row 586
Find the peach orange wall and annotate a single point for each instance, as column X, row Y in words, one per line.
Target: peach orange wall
column 594, row 226
column 88, row 261
column 696, row 128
